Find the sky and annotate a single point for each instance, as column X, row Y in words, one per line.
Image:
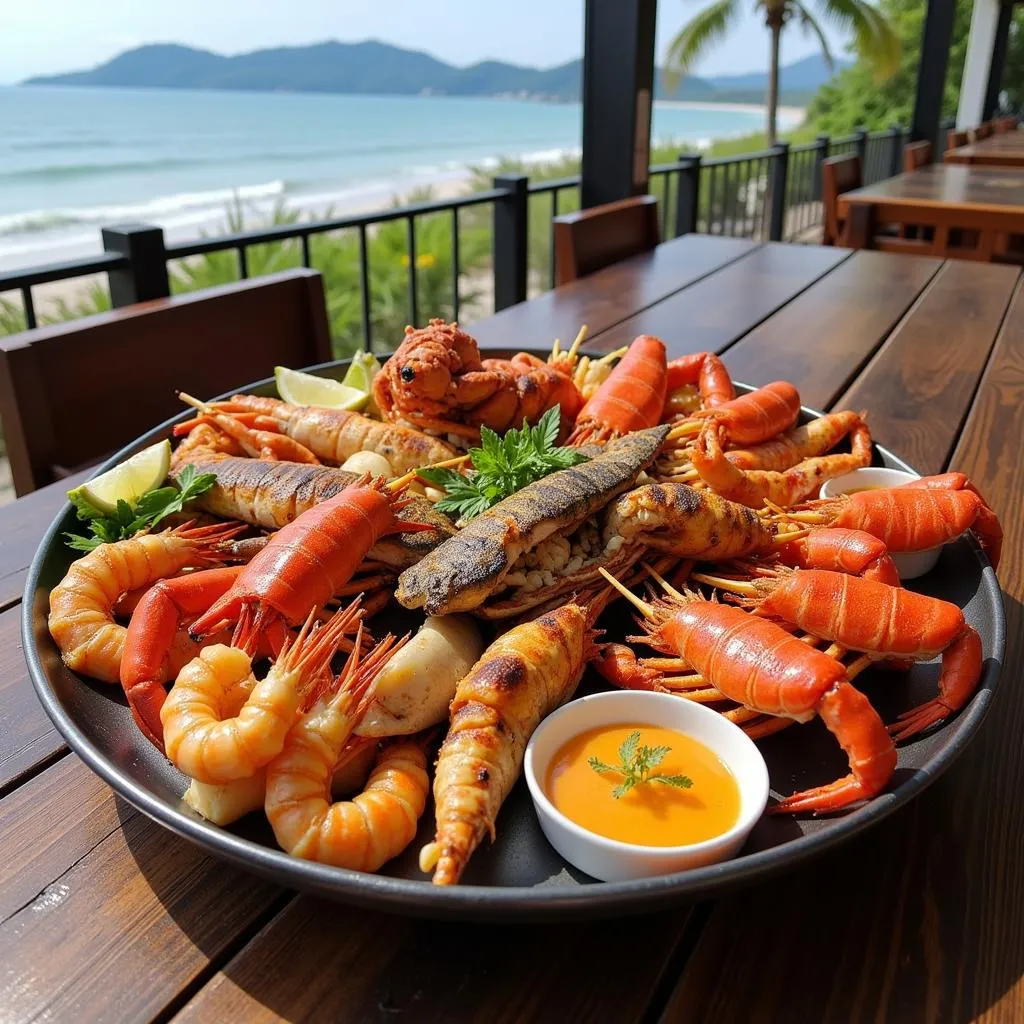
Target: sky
column 50, row 36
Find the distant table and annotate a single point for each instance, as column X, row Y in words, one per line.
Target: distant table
column 1004, row 150
column 105, row 915
column 972, row 211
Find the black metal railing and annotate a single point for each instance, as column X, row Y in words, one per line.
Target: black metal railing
column 770, row 195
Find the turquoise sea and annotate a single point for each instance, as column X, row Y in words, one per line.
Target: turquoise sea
column 73, row 158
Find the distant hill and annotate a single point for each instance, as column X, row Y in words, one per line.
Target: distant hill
column 379, row 68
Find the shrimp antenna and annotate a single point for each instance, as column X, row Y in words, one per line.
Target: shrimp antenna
column 646, row 610
column 194, row 402
column 724, row 583
column 663, row 583
column 403, row 481
column 575, row 347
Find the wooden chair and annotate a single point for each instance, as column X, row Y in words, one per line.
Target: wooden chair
column 955, row 139
column 591, row 239
column 73, row 393
column 839, row 174
column 916, row 155
column 1003, row 125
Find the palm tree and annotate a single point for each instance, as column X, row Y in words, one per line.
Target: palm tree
column 874, row 39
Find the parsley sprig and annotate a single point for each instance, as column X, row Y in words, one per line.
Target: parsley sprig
column 144, row 513
column 502, row 466
column 637, row 767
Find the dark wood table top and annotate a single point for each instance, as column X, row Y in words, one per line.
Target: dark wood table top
column 1005, row 149
column 106, row 916
column 996, row 190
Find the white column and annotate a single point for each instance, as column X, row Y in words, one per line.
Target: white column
column 984, row 19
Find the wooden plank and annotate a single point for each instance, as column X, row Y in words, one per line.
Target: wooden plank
column 107, row 915
column 22, row 525
column 711, row 314
column 920, row 382
column 611, row 295
column 824, row 336
column 922, row 918
column 319, row 961
column 27, row 739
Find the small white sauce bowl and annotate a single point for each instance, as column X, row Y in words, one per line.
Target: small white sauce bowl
column 609, row 859
column 909, row 564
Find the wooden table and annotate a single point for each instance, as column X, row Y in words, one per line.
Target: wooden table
column 1004, row 150
column 106, row 916
column 972, row 211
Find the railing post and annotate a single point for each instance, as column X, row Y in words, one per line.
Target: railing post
column 145, row 277
column 895, row 150
column 779, row 173
column 862, row 149
column 511, row 219
column 688, row 196
column 820, row 156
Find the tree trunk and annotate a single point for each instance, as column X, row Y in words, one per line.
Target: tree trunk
column 775, row 27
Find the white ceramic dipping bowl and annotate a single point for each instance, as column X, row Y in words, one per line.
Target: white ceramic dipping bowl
column 909, row 564
column 614, row 861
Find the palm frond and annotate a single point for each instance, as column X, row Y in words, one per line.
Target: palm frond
column 696, row 37
column 874, row 38
column 810, row 25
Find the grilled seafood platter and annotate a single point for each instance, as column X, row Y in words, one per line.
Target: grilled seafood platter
column 346, row 626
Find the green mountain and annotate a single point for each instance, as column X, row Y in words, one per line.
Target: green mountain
column 378, row 68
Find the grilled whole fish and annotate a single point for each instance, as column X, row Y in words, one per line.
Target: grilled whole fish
column 460, row 574
column 272, row 494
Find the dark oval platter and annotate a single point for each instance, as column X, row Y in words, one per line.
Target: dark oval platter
column 520, row 877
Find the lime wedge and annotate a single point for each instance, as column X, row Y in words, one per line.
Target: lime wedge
column 306, row 389
column 363, row 369
column 129, row 481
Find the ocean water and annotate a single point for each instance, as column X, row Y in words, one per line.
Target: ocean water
column 72, row 159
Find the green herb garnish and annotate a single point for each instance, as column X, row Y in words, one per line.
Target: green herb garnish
column 145, row 512
column 502, row 466
column 637, row 767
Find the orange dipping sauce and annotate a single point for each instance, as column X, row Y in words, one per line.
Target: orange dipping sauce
column 651, row 814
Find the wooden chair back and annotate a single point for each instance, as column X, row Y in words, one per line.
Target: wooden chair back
column 839, row 174
column 73, row 393
column 955, row 139
column 915, row 155
column 591, row 239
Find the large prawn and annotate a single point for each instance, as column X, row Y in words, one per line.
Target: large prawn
column 758, row 664
column 272, row 428
column 915, row 517
column 523, row 676
column 82, row 606
column 367, row 831
column 753, row 487
column 212, row 736
column 632, row 398
column 877, row 619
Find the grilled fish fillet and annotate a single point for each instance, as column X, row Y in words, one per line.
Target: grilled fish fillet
column 272, row 494
column 460, row 574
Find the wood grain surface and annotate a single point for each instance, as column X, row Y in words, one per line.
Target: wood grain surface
column 825, row 335
column 27, row 739
column 105, row 914
column 24, row 524
column 611, row 295
column 989, row 189
column 321, row 962
column 920, row 383
column 712, row 313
